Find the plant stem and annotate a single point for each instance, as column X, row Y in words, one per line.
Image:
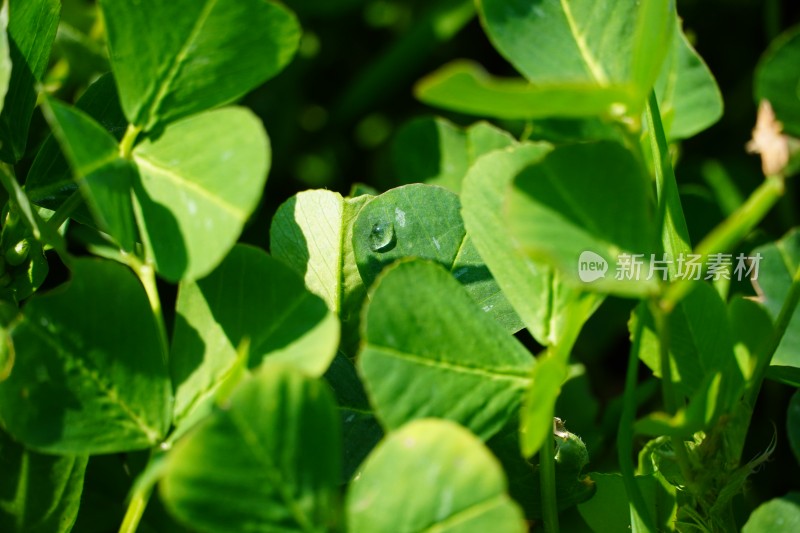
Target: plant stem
column 136, row 508
column 625, row 430
column 547, row 481
column 126, row 144
column 729, row 233
column 147, row 276
column 674, row 232
column 67, row 208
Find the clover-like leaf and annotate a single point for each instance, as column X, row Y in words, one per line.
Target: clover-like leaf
column 423, row 221
column 428, row 351
column 38, row 493
column 93, row 381
column 173, row 59
column 270, row 461
column 198, row 184
column 431, row 475
column 32, row 26
column 250, row 297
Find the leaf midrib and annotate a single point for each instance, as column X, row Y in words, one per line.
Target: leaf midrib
column 163, row 89
column 595, row 69
column 522, row 377
column 157, row 171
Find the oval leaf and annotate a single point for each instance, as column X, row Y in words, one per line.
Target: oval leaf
column 177, row 58
column 424, row 221
column 269, row 462
column 199, row 183
column 429, row 352
column 93, row 381
column 555, row 214
column 248, row 297
column 431, row 475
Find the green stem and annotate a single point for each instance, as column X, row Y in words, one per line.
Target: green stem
column 67, row 208
column 147, row 276
column 136, row 508
column 674, row 232
column 126, row 144
column 547, row 481
column 625, row 430
column 732, row 230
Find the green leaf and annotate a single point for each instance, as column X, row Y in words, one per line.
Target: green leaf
column 428, row 351
column 609, row 509
column 423, row 221
column 89, row 381
column 688, row 96
column 360, row 429
column 777, row 266
column 536, row 420
column 701, row 342
column 465, row 87
column 312, row 233
column 38, row 493
column 554, row 214
column 50, row 180
column 269, row 462
column 431, row 475
column 435, row 151
column 779, row 515
column 752, row 330
column 174, row 59
column 104, row 177
column 5, row 59
column 199, row 183
column 584, row 44
column 249, row 297
column 546, row 305
column 32, row 26
column 778, row 81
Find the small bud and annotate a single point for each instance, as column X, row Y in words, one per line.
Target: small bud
column 16, row 255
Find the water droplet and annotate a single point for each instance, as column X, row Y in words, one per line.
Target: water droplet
column 381, row 238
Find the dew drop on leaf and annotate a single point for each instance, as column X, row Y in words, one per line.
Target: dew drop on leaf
column 381, row 237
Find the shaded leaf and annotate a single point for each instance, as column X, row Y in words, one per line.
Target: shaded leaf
column 778, row 81
column 435, row 151
column 431, row 475
column 50, row 180
column 425, row 346
column 93, row 381
column 271, row 461
column 173, row 59
column 32, row 26
column 199, row 183
column 423, row 221
column 554, row 214
column 609, row 509
column 250, row 297
column 778, row 264
column 545, row 304
column 38, row 493
column 104, row 177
